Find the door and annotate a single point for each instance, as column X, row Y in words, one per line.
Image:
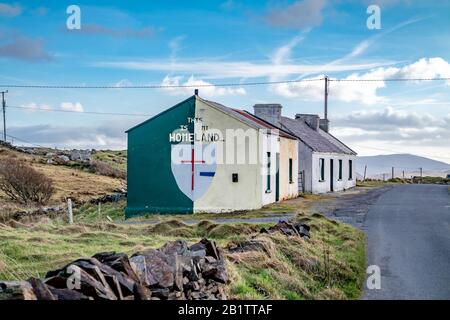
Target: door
column 331, row 175
column 301, row 187
column 277, row 177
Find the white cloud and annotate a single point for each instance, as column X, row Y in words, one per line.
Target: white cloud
column 209, row 91
column 393, row 129
column 175, row 46
column 284, row 52
column 35, row 107
column 219, row 69
column 108, row 135
column 426, row 68
column 365, row 92
column 72, row 106
column 390, row 118
column 123, row 83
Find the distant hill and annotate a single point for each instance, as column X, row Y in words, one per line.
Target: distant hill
column 411, row 164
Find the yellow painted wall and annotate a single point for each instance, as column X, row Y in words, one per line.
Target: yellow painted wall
column 223, row 194
column 288, row 149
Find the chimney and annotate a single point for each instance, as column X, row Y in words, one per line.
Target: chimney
column 324, row 124
column 311, row 120
column 269, row 112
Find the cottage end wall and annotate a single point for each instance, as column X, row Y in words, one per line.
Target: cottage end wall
column 223, row 194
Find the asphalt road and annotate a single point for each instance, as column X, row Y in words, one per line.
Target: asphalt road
column 408, row 234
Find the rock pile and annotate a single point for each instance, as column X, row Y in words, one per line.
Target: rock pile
column 114, row 197
column 80, row 155
column 174, row 271
column 289, row 229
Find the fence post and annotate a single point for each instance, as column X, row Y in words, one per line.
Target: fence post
column 69, row 209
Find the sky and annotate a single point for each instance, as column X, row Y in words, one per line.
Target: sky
column 123, row 43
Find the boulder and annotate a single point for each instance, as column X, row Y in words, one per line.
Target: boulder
column 80, row 155
column 16, row 290
column 159, row 268
column 289, row 229
column 41, row 290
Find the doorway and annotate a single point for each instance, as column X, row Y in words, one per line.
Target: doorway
column 331, row 175
column 277, row 177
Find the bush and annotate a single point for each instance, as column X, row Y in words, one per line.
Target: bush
column 104, row 169
column 22, row 183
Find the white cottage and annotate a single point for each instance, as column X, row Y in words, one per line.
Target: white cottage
column 325, row 163
column 201, row 156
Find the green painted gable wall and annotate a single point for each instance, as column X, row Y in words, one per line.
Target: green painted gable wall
column 151, row 185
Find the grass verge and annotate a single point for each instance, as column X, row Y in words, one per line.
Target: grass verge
column 328, row 266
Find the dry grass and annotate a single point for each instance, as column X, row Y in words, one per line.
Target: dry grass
column 76, row 184
column 328, row 266
column 79, row 185
column 116, row 159
column 288, row 268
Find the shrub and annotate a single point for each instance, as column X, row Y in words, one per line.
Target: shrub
column 22, row 183
column 104, row 169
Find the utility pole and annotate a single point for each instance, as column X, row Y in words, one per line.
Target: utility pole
column 421, row 172
column 326, row 99
column 392, row 173
column 365, row 170
column 4, row 114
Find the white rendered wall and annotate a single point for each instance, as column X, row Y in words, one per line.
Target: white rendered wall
column 223, row 194
column 338, row 185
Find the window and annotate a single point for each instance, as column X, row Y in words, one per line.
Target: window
column 322, row 169
column 350, row 169
column 340, row 170
column 290, row 170
column 268, row 172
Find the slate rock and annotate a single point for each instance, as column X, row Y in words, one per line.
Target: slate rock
column 246, row 246
column 139, row 265
column 16, row 290
column 159, row 268
column 211, row 249
column 83, row 282
column 41, row 290
column 215, row 271
column 68, row 294
column 141, row 292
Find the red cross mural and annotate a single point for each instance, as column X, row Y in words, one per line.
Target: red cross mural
column 193, row 172
column 193, row 162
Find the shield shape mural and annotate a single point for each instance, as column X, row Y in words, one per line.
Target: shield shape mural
column 194, row 167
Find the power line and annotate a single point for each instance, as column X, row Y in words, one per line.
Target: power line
column 4, row 114
column 25, row 141
column 157, row 86
column 390, row 79
column 82, row 112
column 205, row 85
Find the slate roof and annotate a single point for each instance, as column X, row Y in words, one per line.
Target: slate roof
column 250, row 119
column 318, row 141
